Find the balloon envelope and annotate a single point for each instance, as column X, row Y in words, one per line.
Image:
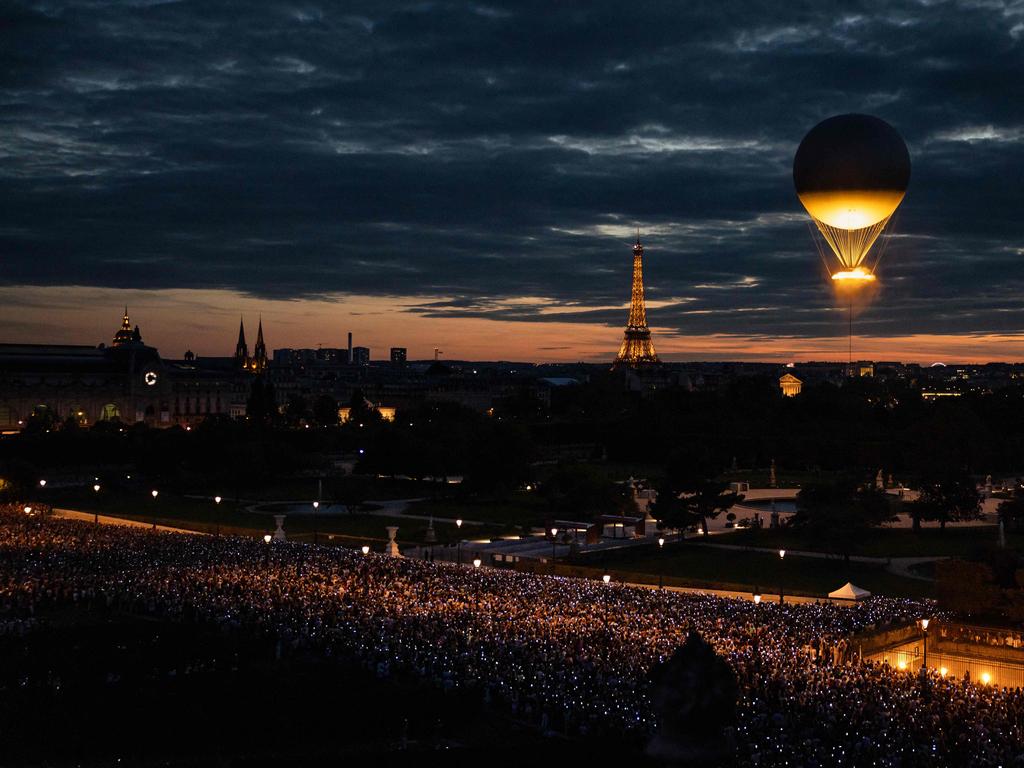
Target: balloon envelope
column 851, row 171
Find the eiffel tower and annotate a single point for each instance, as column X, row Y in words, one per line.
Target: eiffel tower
column 637, row 347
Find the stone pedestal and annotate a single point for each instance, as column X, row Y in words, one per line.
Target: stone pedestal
column 279, row 529
column 392, row 546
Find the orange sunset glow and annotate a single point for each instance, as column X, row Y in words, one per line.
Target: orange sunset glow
column 206, row 321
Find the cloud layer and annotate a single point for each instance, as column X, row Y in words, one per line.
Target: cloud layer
column 501, row 156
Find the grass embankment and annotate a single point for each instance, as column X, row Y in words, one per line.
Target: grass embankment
column 206, row 516
column 296, row 488
column 886, row 542
column 523, row 508
column 698, row 565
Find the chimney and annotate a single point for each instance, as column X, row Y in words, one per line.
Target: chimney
column 350, row 347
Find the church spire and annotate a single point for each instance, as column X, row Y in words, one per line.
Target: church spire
column 241, row 349
column 259, row 352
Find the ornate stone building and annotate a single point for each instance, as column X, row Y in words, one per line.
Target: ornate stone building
column 127, row 382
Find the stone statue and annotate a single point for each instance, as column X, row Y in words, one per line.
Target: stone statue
column 392, row 548
column 279, row 528
column 694, row 695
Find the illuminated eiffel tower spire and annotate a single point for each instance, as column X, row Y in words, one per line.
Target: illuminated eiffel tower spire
column 636, row 346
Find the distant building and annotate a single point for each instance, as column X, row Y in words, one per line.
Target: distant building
column 360, row 355
column 127, row 382
column 386, row 412
column 790, row 385
column 398, row 354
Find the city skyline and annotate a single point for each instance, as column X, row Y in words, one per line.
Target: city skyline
column 210, row 329
column 472, row 179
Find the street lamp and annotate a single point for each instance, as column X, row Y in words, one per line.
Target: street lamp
column 661, row 569
column 154, row 494
column 217, row 501
column 782, row 557
column 266, row 552
column 366, row 550
column 554, row 543
column 757, row 599
column 96, row 487
column 96, row 511
column 28, row 510
column 606, row 578
column 42, row 483
column 476, row 562
column 316, row 506
column 458, row 546
column 924, row 631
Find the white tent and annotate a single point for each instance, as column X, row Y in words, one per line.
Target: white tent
column 849, row 592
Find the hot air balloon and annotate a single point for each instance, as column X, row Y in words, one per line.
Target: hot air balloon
column 851, row 173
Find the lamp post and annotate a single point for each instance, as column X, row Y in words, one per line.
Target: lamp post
column 96, row 511
column 554, row 543
column 924, row 631
column 458, row 546
column 661, row 570
column 154, row 493
column 782, row 557
column 266, row 551
column 217, row 500
column 316, row 506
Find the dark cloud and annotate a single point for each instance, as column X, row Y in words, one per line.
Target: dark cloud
column 492, row 152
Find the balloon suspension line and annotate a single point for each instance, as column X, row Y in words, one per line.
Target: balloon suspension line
column 849, row 362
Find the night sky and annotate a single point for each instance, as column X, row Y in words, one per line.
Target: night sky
column 470, row 176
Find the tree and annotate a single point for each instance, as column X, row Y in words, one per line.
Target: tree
column 966, row 587
column 296, row 410
column 576, row 490
column 325, row 411
column 837, row 514
column 691, row 479
column 949, row 497
column 1011, row 510
column 261, row 407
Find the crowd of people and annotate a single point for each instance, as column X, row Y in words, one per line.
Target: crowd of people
column 569, row 655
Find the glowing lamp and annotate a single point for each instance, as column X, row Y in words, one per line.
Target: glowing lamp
column 96, row 487
column 661, row 542
column 366, row 550
column 757, row 599
column 554, row 532
column 458, row 523
column 155, row 493
column 316, row 505
column 266, row 538
column 782, row 554
column 943, row 671
column 606, row 578
column 476, row 562
column 924, row 624
column 217, row 499
column 28, row 510
column 853, row 276
column 986, row 678
column 902, row 665
column 42, row 483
